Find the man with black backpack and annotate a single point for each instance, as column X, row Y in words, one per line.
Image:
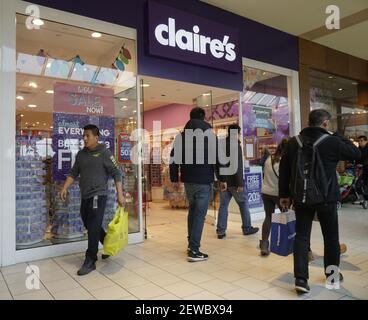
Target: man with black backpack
column 308, row 179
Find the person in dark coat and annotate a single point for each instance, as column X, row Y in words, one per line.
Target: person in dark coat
column 235, row 188
column 331, row 150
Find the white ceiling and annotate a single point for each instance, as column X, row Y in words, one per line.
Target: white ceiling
column 180, row 92
column 298, row 17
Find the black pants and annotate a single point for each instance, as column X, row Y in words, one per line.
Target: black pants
column 327, row 216
column 269, row 204
column 92, row 220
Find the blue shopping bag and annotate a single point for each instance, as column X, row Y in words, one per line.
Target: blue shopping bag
column 283, row 233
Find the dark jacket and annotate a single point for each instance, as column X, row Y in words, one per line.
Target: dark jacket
column 193, row 171
column 237, row 179
column 364, row 160
column 332, row 150
column 94, row 168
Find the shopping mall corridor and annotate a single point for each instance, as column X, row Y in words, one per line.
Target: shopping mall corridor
column 157, row 268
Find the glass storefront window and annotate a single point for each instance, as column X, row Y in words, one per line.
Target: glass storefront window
column 265, row 113
column 65, row 80
column 341, row 97
column 266, row 122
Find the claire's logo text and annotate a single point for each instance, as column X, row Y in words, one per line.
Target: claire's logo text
column 167, row 35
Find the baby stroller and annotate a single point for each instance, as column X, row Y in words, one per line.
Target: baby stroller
column 352, row 187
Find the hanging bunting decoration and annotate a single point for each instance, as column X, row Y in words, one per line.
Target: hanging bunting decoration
column 123, row 58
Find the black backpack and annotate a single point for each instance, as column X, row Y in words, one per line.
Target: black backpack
column 310, row 184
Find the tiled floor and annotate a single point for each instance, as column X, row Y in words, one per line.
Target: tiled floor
column 157, row 269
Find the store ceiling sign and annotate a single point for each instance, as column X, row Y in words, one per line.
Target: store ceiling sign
column 186, row 37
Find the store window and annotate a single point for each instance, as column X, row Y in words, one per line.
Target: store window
column 68, row 77
column 344, row 98
column 265, row 113
column 266, row 121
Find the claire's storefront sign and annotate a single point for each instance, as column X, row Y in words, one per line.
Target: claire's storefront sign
column 178, row 35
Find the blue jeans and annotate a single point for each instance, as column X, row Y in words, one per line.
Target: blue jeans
column 241, row 200
column 199, row 198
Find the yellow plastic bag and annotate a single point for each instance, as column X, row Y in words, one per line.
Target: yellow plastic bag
column 117, row 233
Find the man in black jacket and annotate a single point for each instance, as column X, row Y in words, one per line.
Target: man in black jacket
column 363, row 147
column 331, row 150
column 235, row 188
column 195, row 154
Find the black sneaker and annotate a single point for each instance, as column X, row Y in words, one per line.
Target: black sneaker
column 221, row 236
column 301, row 286
column 252, row 230
column 88, row 266
column 105, row 256
column 196, row 256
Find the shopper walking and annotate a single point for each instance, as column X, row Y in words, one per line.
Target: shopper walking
column 235, row 188
column 191, row 159
column 363, row 147
column 312, row 185
column 93, row 164
column 270, row 193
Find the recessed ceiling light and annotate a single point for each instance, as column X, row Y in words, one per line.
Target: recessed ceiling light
column 38, row 22
column 340, row 89
column 145, row 85
column 33, row 84
column 206, row 94
column 96, row 35
column 330, row 77
column 26, row 123
column 20, row 98
column 33, row 125
column 207, row 105
column 37, row 122
column 51, row 127
column 124, row 107
column 32, row 106
column 44, row 124
column 124, row 99
column 354, row 83
column 22, row 115
column 49, row 91
column 134, row 111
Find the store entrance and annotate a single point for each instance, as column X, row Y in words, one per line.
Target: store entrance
column 166, row 105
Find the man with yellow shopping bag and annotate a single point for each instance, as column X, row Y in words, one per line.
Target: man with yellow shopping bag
column 93, row 164
column 117, row 234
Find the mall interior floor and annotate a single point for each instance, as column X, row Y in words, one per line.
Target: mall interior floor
column 157, row 268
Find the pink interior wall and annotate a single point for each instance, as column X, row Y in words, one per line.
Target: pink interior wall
column 171, row 116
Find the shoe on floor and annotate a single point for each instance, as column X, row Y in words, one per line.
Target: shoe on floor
column 252, row 230
column 105, row 256
column 311, row 256
column 264, row 246
column 196, row 256
column 301, row 286
column 343, row 248
column 221, row 236
column 88, row 266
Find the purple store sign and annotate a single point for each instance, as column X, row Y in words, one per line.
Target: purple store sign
column 178, row 35
column 68, row 139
